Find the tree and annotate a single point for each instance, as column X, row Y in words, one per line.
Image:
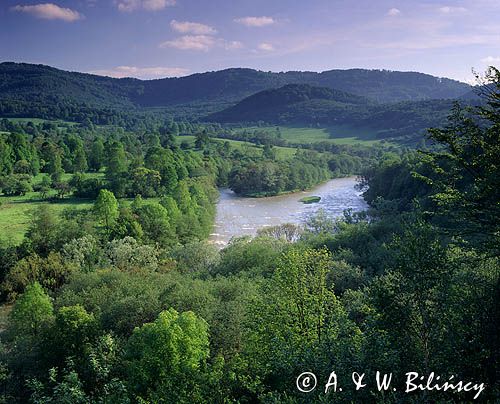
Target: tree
column 74, row 328
column 54, row 167
column 42, row 234
column 299, row 324
column 117, row 161
column 62, row 187
column 420, row 276
column 6, row 157
column 183, row 197
column 16, row 184
column 128, row 254
column 155, row 223
column 127, row 224
column 116, row 168
column 162, row 161
column 202, row 140
column 80, row 161
column 44, row 186
column 32, row 311
column 68, row 390
column 173, row 211
column 166, row 357
column 22, row 167
column 51, row 272
column 83, row 252
column 287, row 231
column 145, row 182
column 467, row 173
column 96, row 156
column 106, row 208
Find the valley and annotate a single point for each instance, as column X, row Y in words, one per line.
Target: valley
column 207, row 238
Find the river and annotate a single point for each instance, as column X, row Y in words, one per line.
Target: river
column 239, row 216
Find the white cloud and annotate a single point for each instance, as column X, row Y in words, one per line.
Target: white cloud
column 491, row 59
column 142, row 72
column 256, row 21
column 233, row 45
column 154, row 5
column 202, row 43
column 452, row 10
column 265, row 47
column 393, row 12
column 191, row 42
column 149, row 5
column 186, row 27
column 49, row 11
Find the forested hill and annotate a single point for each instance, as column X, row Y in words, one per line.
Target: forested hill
column 290, row 103
column 27, row 83
column 305, row 105
column 38, row 83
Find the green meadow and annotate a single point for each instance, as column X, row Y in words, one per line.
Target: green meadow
column 339, row 134
column 39, row 121
column 16, row 211
column 281, row 152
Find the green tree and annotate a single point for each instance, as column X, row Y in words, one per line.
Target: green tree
column 165, row 358
column 298, row 323
column 74, row 328
column 155, row 223
column 6, row 157
column 32, row 312
column 202, row 140
column 128, row 254
column 106, row 208
column 80, row 160
column 44, row 186
column 96, row 156
column 183, row 197
column 117, row 161
column 467, row 173
column 51, row 272
column 173, row 211
column 68, row 390
column 410, row 298
column 145, row 182
column 116, row 167
column 42, row 234
column 54, row 168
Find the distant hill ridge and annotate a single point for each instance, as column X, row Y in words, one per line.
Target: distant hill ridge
column 304, row 105
column 292, row 103
column 40, row 83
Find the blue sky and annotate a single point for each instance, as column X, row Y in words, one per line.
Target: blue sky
column 159, row 38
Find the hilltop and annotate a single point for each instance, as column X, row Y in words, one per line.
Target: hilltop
column 28, row 82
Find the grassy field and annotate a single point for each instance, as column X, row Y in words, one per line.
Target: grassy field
column 281, row 152
column 39, row 121
column 339, row 134
column 15, row 211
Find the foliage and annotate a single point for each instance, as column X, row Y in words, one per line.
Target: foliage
column 106, row 208
column 32, row 311
column 162, row 357
column 128, row 302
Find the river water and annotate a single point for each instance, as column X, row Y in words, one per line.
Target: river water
column 239, row 216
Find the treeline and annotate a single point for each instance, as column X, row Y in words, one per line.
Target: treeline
column 310, row 106
column 123, row 167
column 54, row 148
column 264, row 178
column 259, row 171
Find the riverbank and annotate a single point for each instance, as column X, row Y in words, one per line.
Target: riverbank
column 244, row 216
column 293, row 191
